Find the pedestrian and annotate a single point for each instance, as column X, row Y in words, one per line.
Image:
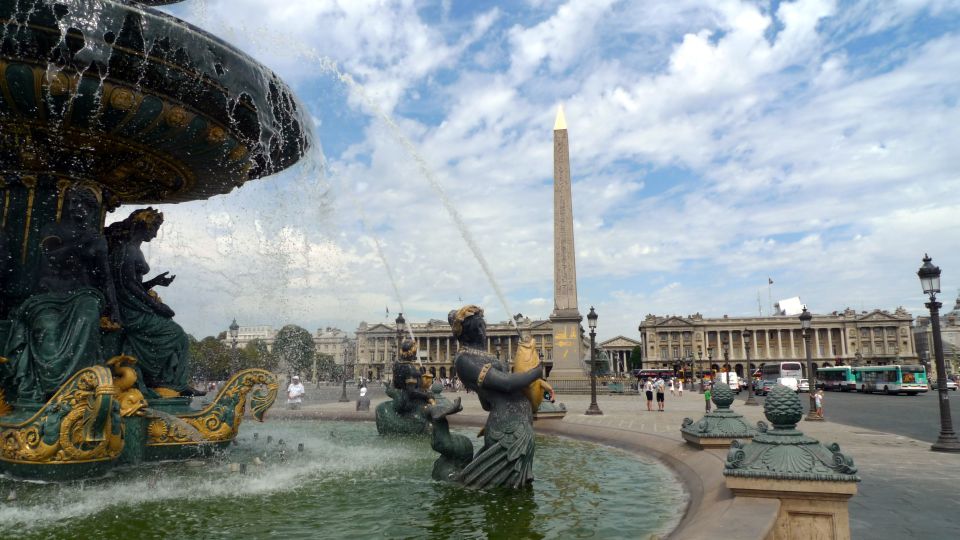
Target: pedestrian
column 661, row 389
column 673, row 388
column 707, row 394
column 363, row 402
column 819, row 403
column 648, row 389
column 295, row 393
column 680, row 388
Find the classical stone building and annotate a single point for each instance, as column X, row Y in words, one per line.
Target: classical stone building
column 618, row 351
column 847, row 337
column 436, row 348
column 949, row 334
column 246, row 334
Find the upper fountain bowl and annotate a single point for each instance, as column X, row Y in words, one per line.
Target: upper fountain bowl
column 140, row 102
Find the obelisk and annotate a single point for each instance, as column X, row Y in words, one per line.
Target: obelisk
column 565, row 319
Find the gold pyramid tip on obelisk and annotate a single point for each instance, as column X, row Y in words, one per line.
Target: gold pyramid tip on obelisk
column 561, row 122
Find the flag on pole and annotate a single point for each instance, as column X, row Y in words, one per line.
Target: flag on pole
column 388, row 312
column 769, row 281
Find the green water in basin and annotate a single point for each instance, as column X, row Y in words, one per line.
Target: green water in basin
column 350, row 483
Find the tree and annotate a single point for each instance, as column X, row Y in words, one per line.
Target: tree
column 210, row 359
column 326, row 368
column 294, row 348
column 256, row 354
column 636, row 357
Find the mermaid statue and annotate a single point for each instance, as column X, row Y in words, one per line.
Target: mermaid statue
column 506, row 458
column 57, row 332
column 160, row 345
column 406, row 412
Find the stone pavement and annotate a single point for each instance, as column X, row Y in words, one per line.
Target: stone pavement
column 907, row 491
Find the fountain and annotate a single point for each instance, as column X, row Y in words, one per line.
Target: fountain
column 106, row 103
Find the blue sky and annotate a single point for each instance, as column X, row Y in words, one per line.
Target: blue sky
column 714, row 144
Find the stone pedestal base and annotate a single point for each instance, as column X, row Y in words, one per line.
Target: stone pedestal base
column 710, row 442
column 808, row 508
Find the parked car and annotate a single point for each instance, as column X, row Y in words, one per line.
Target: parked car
column 951, row 385
column 803, row 385
column 765, row 386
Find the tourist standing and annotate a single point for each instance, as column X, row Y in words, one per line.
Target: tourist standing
column 295, row 393
column 363, row 402
column 707, row 394
column 680, row 388
column 648, row 389
column 819, row 403
column 661, row 389
column 673, row 388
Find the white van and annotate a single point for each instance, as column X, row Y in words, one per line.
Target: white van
column 731, row 380
column 789, row 382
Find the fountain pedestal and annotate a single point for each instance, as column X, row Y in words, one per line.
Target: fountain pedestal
column 813, row 482
column 719, row 428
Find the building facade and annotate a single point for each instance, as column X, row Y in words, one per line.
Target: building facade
column 618, row 351
column 949, row 335
column 376, row 345
column 695, row 342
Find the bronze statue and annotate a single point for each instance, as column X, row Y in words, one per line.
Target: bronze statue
column 149, row 334
column 406, row 413
column 56, row 332
column 506, row 458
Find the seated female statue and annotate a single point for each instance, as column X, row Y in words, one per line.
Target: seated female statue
column 506, row 458
column 149, row 334
column 56, row 332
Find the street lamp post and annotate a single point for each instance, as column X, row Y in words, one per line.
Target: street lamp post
column 747, row 336
column 234, row 332
column 806, row 324
column 726, row 357
column 343, row 393
column 930, row 281
column 592, row 321
column 700, row 365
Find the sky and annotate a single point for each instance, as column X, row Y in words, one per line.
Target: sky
column 715, row 145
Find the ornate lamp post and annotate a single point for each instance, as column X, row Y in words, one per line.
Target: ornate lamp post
column 700, row 365
column 806, row 323
column 592, row 321
column 930, row 281
column 726, row 356
column 343, row 393
column 234, row 332
column 747, row 336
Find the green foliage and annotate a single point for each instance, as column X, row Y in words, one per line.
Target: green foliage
column 636, row 357
column 294, row 348
column 210, row 358
column 255, row 354
column 327, row 370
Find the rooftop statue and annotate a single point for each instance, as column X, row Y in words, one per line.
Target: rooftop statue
column 506, row 458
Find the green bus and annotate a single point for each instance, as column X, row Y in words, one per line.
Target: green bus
column 836, row 378
column 891, row 379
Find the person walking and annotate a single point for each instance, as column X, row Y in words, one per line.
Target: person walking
column 707, row 394
column 819, row 403
column 661, row 389
column 363, row 402
column 680, row 388
column 648, row 389
column 673, row 387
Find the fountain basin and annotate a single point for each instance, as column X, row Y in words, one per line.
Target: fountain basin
column 350, row 483
column 154, row 109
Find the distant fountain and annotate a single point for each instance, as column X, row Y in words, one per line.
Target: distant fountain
column 106, row 103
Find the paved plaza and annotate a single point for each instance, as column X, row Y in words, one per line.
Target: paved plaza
column 907, row 491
